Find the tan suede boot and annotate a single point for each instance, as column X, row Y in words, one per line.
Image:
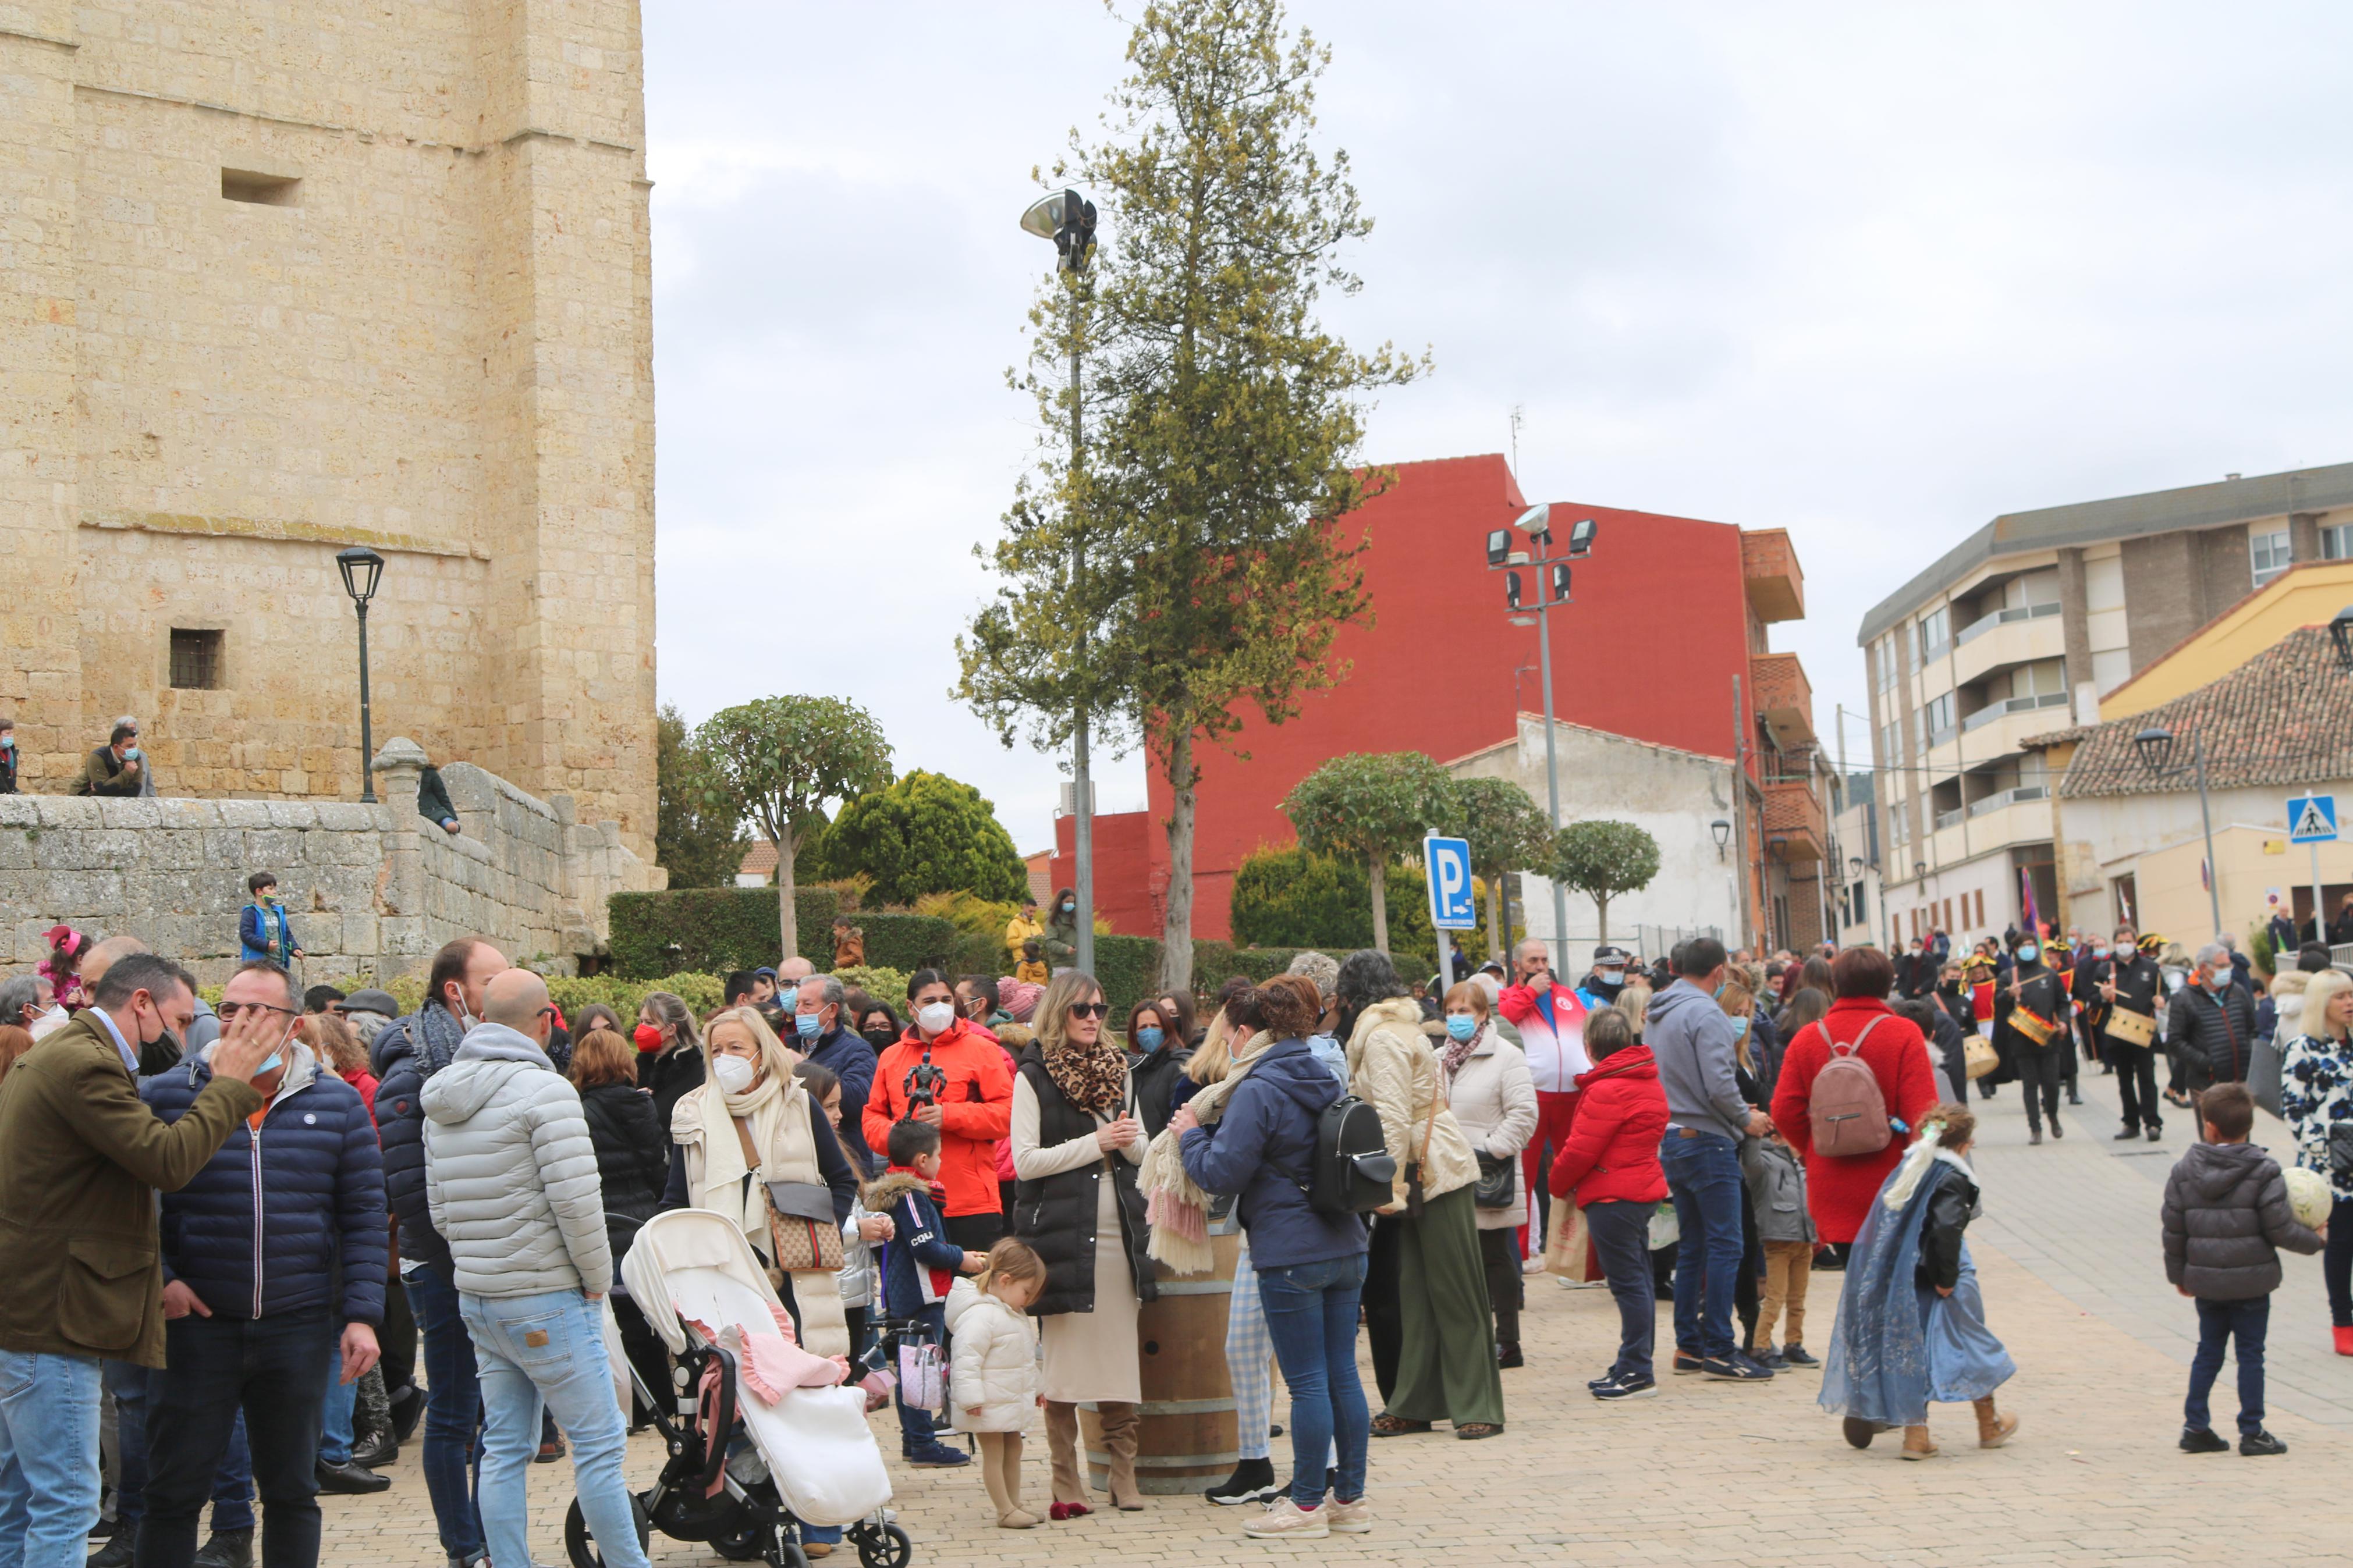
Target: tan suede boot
column 1993, row 1429
column 1917, row 1444
column 1120, row 1425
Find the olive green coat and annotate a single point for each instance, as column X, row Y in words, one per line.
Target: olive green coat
column 82, row 1157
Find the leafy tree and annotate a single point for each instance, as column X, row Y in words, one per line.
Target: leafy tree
column 1224, row 421
column 1602, row 859
column 778, row 760
column 701, row 846
column 1287, row 897
column 1508, row 833
column 1371, row 807
column 927, row 834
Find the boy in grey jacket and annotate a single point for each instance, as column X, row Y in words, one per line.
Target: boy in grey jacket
column 2226, row 1217
column 1776, row 1197
column 510, row 1174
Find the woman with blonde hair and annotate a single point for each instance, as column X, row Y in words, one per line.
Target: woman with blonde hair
column 1634, row 1000
column 751, row 1143
column 1076, row 1146
column 2317, row 1097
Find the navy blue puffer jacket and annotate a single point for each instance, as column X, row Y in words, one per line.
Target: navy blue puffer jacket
column 400, row 1119
column 290, row 1218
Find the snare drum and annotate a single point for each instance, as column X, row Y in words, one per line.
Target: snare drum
column 2133, row 1028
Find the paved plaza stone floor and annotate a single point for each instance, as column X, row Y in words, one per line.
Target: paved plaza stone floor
column 1712, row 1473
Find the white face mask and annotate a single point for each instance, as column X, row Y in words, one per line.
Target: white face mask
column 733, row 1074
column 935, row 1016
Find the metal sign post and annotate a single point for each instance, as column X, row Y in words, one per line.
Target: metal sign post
column 2312, row 819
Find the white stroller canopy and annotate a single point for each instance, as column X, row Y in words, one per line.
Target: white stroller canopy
column 669, row 1244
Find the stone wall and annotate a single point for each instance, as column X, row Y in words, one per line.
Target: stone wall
column 369, row 890
column 287, row 279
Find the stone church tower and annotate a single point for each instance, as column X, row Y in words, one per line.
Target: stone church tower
column 276, row 279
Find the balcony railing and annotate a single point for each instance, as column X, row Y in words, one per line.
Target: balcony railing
column 1992, row 712
column 1938, row 737
column 2003, row 617
column 1996, row 801
column 1950, row 818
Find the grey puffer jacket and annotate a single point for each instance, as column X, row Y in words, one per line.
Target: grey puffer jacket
column 510, row 1171
column 2226, row 1215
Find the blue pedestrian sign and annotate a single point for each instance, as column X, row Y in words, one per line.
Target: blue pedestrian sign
column 1446, row 863
column 2312, row 819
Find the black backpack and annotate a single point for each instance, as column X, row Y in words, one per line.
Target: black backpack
column 1354, row 1168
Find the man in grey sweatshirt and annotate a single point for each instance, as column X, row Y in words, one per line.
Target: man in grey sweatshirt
column 1692, row 1040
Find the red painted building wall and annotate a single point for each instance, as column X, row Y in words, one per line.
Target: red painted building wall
column 1658, row 628
column 1130, row 871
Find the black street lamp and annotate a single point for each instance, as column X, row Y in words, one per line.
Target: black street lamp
column 2155, row 746
column 361, row 568
column 2340, row 632
column 1723, row 831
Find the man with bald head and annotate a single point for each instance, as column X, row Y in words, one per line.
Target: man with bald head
column 510, row 1177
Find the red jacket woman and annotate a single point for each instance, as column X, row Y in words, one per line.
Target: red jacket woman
column 1840, row 1187
column 1612, row 1152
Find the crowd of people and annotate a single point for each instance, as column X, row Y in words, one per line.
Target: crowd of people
column 273, row 1237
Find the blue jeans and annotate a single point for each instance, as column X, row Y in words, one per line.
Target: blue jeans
column 1311, row 1316
column 1703, row 1173
column 335, row 1414
column 134, row 1389
column 275, row 1368
column 1622, row 1234
column 547, row 1352
column 453, row 1410
column 48, row 1458
column 2219, row 1322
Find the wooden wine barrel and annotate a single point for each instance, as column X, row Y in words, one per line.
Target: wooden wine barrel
column 1187, row 1442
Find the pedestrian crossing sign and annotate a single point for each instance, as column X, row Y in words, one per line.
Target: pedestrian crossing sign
column 2312, row 819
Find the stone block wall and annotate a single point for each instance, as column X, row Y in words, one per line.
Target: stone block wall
column 369, row 890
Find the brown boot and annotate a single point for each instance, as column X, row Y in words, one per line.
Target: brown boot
column 1120, row 1421
column 1062, row 1454
column 1993, row 1429
column 1917, row 1444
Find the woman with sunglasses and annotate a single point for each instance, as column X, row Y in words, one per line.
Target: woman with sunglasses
column 1076, row 1146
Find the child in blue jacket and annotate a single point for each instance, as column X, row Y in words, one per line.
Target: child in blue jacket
column 919, row 1264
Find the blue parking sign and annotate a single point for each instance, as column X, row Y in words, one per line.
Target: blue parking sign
column 1446, row 865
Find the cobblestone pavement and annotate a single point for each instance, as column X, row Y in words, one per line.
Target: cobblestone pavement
column 1709, row 1474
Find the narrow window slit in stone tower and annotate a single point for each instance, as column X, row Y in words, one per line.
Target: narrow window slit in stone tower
column 266, row 190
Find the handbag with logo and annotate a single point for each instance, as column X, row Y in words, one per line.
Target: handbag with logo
column 802, row 1228
column 1499, row 1181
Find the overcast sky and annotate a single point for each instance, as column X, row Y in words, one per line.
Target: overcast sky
column 1872, row 273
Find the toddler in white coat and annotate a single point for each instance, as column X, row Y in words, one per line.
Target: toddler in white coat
column 993, row 1368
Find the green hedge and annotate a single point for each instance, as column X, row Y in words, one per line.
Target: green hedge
column 1215, row 963
column 715, row 930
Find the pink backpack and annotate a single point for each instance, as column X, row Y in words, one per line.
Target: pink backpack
column 1850, row 1114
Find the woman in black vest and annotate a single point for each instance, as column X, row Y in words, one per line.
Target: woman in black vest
column 1073, row 1124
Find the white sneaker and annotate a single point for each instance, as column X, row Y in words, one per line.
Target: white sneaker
column 1350, row 1517
column 1569, row 1284
column 1533, row 1266
column 1287, row 1519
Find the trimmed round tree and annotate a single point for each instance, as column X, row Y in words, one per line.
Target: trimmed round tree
column 1373, row 807
column 928, row 833
column 1602, row 860
column 1508, row 833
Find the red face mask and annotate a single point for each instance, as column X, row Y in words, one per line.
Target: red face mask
column 648, row 1035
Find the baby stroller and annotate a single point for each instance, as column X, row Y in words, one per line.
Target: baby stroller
column 743, row 1475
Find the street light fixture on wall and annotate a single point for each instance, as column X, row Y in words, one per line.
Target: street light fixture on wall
column 2156, row 746
column 2340, row 632
column 1723, row 831
column 362, row 568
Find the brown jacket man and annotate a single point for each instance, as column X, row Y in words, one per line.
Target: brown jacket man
column 80, row 1158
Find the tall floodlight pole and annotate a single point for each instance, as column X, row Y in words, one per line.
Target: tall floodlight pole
column 1069, row 220
column 1551, row 593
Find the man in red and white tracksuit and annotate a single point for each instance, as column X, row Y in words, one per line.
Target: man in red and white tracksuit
column 1551, row 1021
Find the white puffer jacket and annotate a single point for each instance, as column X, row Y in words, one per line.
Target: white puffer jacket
column 510, row 1171
column 992, row 1363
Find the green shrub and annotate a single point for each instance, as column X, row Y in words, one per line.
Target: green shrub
column 1128, row 967
column 886, row 986
column 925, row 833
column 1215, row 963
column 715, row 930
column 907, row 943
column 1288, row 898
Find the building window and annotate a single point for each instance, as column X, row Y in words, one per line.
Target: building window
column 2336, row 543
column 1937, row 717
column 1891, row 743
column 260, row 190
column 1935, row 631
column 1884, row 657
column 195, row 660
column 2270, row 554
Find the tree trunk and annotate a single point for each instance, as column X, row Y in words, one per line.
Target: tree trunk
column 1177, row 924
column 787, row 916
column 1601, row 911
column 1495, row 917
column 1379, row 875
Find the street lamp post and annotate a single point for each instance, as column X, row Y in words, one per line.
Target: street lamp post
column 362, row 567
column 1551, row 593
column 2156, row 746
column 1069, row 220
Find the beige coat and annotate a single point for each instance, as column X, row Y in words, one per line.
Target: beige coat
column 1392, row 1068
column 1495, row 1102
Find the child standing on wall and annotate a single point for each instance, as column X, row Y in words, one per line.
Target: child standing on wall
column 261, row 929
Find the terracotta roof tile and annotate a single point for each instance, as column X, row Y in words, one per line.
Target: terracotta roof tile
column 2284, row 717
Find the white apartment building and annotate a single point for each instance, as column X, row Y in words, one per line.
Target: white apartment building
column 2016, row 631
